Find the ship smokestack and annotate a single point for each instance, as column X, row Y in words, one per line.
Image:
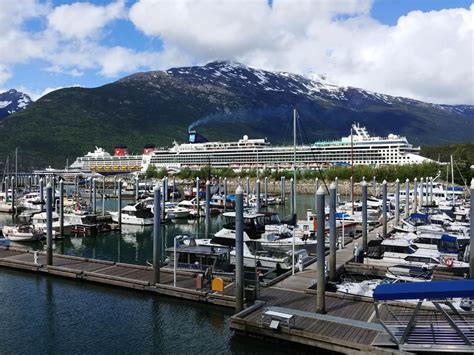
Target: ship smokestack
column 120, row 150
column 195, row 137
column 149, row 149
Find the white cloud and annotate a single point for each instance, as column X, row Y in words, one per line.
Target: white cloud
column 82, row 19
column 426, row 55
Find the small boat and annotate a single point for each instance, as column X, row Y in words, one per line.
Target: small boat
column 22, row 233
column 136, row 214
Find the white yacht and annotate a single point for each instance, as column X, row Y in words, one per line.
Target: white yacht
column 30, row 201
column 38, row 220
column 22, row 233
column 136, row 214
column 399, row 251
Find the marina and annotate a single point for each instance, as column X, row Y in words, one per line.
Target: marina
column 281, row 303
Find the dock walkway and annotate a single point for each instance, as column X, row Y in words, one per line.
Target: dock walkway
column 116, row 274
column 348, row 325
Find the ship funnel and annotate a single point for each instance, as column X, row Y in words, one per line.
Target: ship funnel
column 195, row 137
column 120, row 150
column 148, row 149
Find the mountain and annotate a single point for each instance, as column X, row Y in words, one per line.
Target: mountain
column 222, row 100
column 13, row 101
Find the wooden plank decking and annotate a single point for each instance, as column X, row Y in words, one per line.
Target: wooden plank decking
column 116, row 274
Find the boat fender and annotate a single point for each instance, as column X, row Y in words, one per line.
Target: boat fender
column 448, row 262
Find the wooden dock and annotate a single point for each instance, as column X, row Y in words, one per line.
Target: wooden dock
column 115, row 274
column 349, row 323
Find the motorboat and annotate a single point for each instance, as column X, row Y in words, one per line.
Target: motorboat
column 136, row 214
column 39, row 221
column 31, row 201
column 391, row 252
column 22, row 233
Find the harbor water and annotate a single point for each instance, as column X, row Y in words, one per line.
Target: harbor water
column 57, row 316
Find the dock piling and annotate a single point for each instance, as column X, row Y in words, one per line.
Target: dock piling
column 137, row 182
column 397, row 202
column 292, row 196
column 257, row 196
column 49, row 224
column 282, row 190
column 471, row 221
column 384, row 209
column 225, row 194
column 198, row 207
column 265, row 190
column 13, row 195
column 156, row 235
column 119, row 206
column 320, row 266
column 163, row 200
column 415, row 195
column 247, row 191
column 316, row 187
column 374, row 185
column 332, row 231
column 94, row 196
column 41, row 188
column 207, row 220
column 431, row 191
column 239, row 249
column 407, row 196
column 364, row 215
column 61, row 208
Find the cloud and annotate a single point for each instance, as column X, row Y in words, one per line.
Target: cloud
column 426, row 55
column 82, row 19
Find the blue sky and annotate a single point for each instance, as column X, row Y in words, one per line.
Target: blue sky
column 416, row 48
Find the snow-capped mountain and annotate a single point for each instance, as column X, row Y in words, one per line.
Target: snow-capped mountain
column 223, row 101
column 13, row 101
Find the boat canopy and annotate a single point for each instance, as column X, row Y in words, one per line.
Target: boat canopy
column 433, row 290
column 422, row 216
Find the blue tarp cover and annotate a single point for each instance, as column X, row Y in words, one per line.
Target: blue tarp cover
column 419, row 215
column 433, row 290
column 448, row 238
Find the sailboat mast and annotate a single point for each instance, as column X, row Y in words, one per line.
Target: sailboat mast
column 294, row 158
column 16, row 168
column 452, row 177
column 352, row 170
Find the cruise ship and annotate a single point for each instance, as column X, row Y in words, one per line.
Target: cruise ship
column 359, row 147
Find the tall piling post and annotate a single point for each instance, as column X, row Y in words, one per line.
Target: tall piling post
column 90, row 191
column 384, row 209
column 365, row 193
column 61, row 208
column 320, row 262
column 119, row 202
column 156, row 234
column 163, row 199
column 292, row 197
column 225, row 194
column 137, row 182
column 13, row 195
column 316, row 187
column 115, row 185
column 471, row 218
column 415, row 195
column 407, row 195
column 397, row 202
column 374, row 186
column 247, row 191
column 265, row 190
column 41, row 191
column 431, row 191
column 198, row 207
column 94, row 197
column 165, row 192
column 257, row 193
column 351, row 192
column 421, row 193
column 49, row 224
column 53, row 181
column 208, row 208
column 239, row 249
column 332, row 231
column 283, row 190
column 336, row 180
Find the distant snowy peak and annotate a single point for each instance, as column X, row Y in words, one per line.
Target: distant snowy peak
column 13, row 101
column 236, row 76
